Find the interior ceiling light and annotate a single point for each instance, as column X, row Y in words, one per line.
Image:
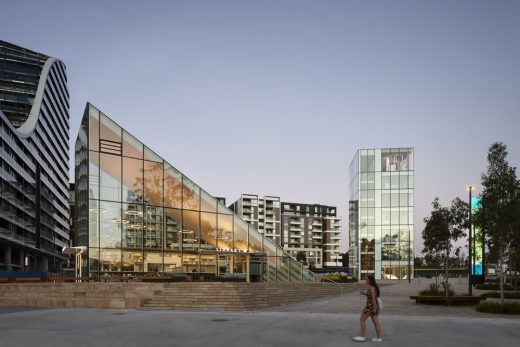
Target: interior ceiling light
column 97, row 209
column 133, row 213
column 120, row 221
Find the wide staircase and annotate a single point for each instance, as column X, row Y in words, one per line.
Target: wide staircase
column 240, row 296
column 198, row 296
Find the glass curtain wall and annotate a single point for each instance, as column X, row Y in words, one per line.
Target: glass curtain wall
column 381, row 213
column 144, row 216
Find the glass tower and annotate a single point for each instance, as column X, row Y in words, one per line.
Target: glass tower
column 34, row 160
column 138, row 214
column 381, row 197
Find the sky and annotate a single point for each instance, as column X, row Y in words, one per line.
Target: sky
column 275, row 97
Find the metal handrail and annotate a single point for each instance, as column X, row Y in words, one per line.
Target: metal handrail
column 329, row 280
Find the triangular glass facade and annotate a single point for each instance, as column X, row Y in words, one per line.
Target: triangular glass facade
column 139, row 215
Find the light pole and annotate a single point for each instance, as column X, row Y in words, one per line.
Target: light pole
column 470, row 189
column 409, row 260
column 78, row 252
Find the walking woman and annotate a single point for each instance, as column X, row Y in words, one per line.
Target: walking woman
column 371, row 310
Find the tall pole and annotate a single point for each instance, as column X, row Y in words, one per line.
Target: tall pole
column 470, row 245
column 409, row 261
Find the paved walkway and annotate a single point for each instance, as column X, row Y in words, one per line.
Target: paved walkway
column 92, row 327
column 325, row 322
column 396, row 301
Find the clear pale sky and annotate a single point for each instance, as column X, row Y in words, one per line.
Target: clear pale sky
column 275, row 97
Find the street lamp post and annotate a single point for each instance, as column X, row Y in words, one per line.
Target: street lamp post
column 409, row 260
column 470, row 189
column 78, row 252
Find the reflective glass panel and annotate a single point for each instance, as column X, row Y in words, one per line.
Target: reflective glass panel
column 295, row 271
column 173, row 227
column 153, row 227
column 110, row 177
column 223, row 209
column 131, row 146
column 172, row 187
column 93, row 172
column 133, row 230
column 93, row 259
column 93, row 136
column 255, row 241
column 151, row 155
column 282, row 271
column 153, row 261
column 225, row 231
column 190, row 195
column 132, row 261
column 132, row 180
column 190, row 263
column 208, row 264
column 207, row 202
column 110, row 227
column 269, row 247
column 240, row 234
column 108, row 130
column 153, row 183
column 93, row 223
column 208, row 230
column 172, row 262
column 190, row 230
column 110, row 260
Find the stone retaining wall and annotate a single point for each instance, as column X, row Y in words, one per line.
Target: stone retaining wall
column 185, row 296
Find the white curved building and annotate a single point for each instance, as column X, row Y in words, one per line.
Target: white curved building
column 34, row 169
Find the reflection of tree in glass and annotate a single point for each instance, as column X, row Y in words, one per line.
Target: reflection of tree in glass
column 173, row 188
column 153, row 183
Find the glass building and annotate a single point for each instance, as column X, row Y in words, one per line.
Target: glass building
column 381, row 198
column 34, row 160
column 138, row 214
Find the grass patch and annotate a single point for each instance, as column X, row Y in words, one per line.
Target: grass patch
column 507, row 295
column 495, row 307
column 492, row 286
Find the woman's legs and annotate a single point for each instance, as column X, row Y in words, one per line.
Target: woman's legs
column 363, row 323
column 375, row 320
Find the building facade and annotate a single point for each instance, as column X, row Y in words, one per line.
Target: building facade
column 34, row 169
column 381, row 213
column 313, row 230
column 138, row 214
column 262, row 213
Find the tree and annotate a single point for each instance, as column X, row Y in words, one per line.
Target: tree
column 301, row 257
column 344, row 259
column 444, row 226
column 499, row 212
column 418, row 262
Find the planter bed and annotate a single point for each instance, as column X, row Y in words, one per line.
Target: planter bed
column 448, row 300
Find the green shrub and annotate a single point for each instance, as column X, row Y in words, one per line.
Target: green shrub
column 492, row 286
column 437, row 290
column 495, row 307
column 507, row 295
column 338, row 278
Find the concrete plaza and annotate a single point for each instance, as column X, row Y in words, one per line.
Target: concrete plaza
column 330, row 321
column 94, row 327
